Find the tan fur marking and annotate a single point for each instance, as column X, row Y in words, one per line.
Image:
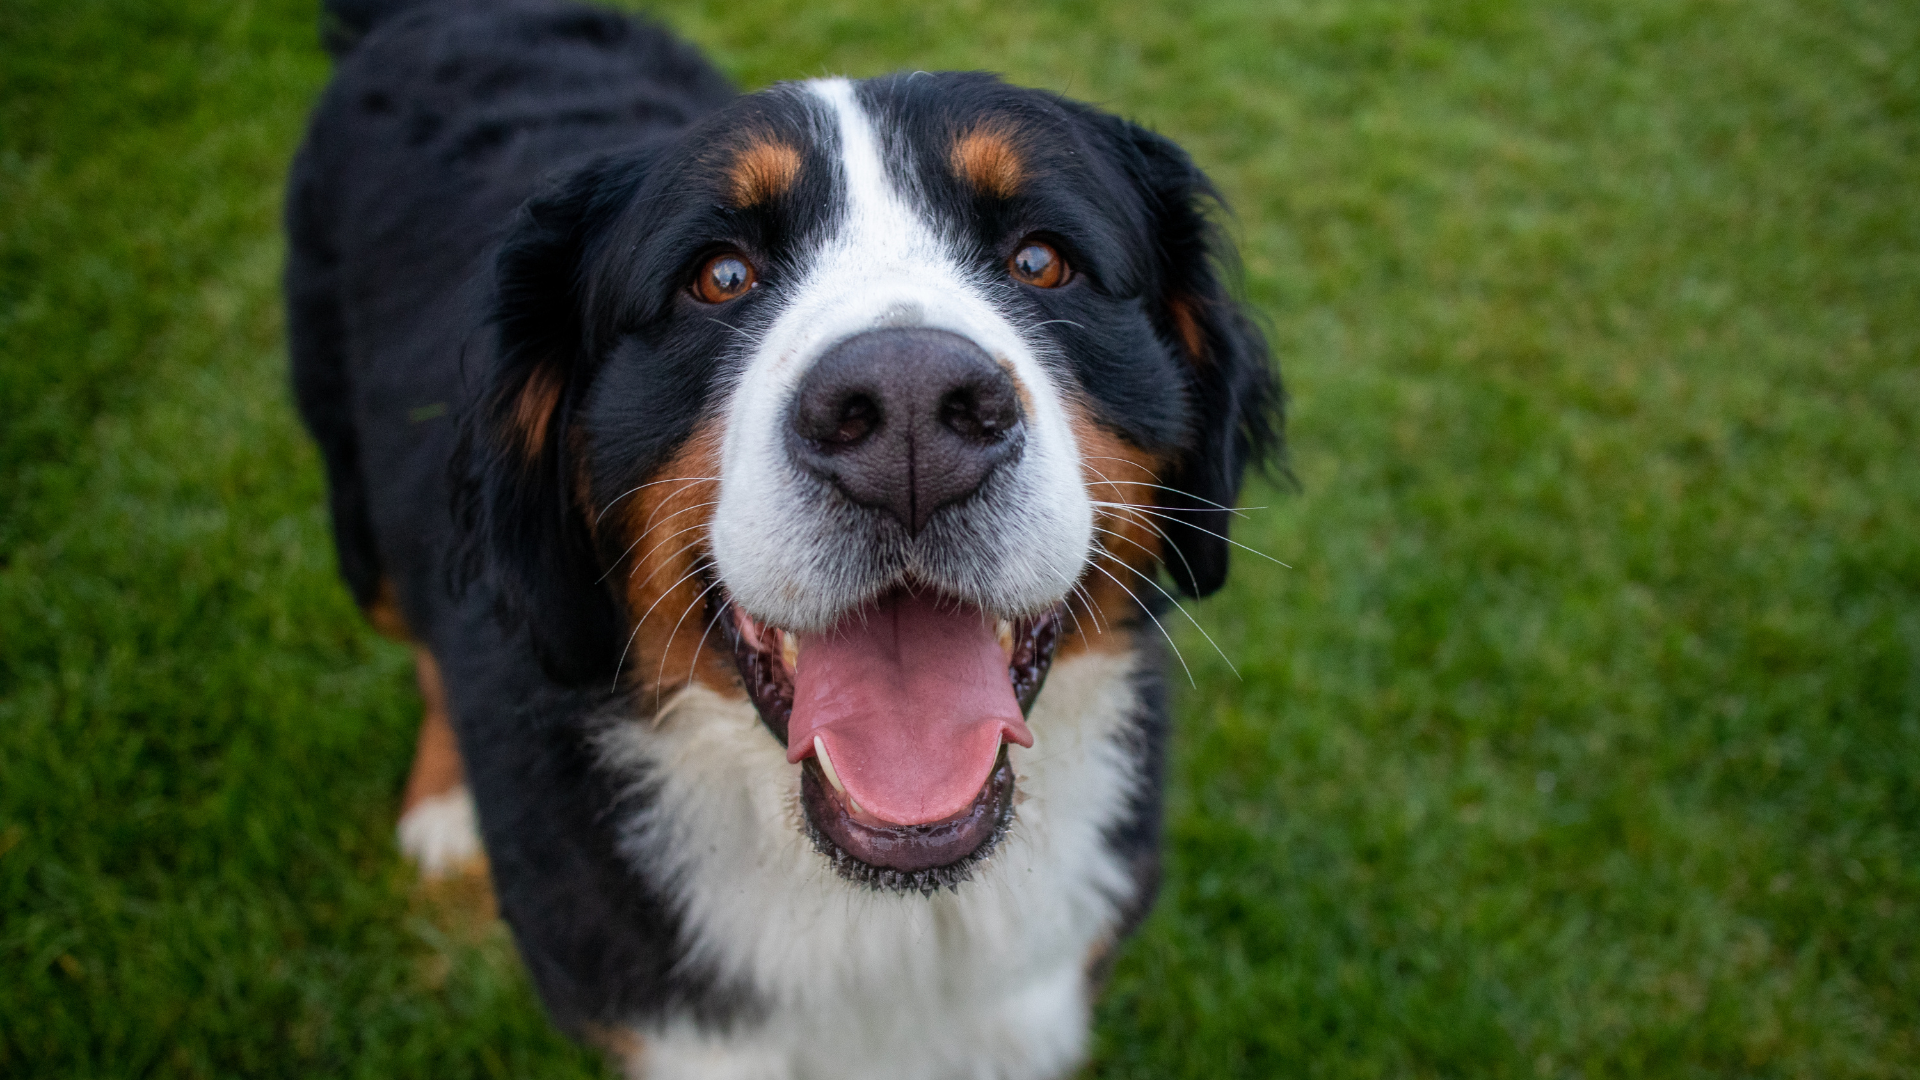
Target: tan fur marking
column 1020, row 390
column 765, row 169
column 1114, row 471
column 1098, row 964
column 385, row 614
column 1186, row 320
column 987, row 158
column 461, row 896
column 624, row 1046
column 664, row 528
column 436, row 757
column 533, row 410
column 462, row 906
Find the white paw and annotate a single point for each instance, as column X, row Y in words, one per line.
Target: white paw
column 439, row 834
column 684, row 1053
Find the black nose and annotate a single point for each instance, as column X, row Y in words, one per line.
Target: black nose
column 906, row 421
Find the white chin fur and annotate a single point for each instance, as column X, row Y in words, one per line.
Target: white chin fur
column 986, row 981
column 789, row 549
column 440, row 834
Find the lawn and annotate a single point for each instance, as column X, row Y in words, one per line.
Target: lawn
column 1581, row 738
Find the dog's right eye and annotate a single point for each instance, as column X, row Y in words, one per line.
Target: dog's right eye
column 724, row 277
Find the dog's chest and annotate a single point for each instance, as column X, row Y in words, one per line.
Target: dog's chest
column 987, row 979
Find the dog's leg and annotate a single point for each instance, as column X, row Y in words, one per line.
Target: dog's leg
column 437, row 827
column 686, row 1054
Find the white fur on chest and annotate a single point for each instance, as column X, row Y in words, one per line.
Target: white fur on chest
column 985, row 981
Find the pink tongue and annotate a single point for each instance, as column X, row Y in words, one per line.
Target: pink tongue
column 912, row 698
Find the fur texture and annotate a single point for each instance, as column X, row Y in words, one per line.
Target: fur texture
column 568, row 466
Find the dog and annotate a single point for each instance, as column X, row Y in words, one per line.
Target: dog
column 778, row 491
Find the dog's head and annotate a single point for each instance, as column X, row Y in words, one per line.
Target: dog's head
column 863, row 401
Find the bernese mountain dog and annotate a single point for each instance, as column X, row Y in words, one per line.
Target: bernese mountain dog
column 779, row 490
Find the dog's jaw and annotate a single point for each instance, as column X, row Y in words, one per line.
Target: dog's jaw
column 1000, row 959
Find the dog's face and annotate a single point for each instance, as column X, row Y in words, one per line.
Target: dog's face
column 863, row 402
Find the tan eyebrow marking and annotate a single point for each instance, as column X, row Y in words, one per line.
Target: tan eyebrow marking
column 987, row 158
column 762, row 170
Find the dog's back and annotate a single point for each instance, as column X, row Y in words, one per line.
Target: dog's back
column 442, row 118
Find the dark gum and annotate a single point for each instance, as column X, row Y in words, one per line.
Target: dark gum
column 910, row 848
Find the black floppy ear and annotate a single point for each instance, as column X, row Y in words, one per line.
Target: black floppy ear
column 521, row 487
column 1233, row 390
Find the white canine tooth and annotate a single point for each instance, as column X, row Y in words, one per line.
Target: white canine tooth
column 1004, row 631
column 790, row 650
column 826, row 764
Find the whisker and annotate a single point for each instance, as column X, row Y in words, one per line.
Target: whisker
column 695, row 662
column 622, row 661
column 1100, row 624
column 1138, row 509
column 1093, row 611
column 1171, row 546
column 1071, row 614
column 698, row 566
column 1156, row 622
column 1236, row 511
column 660, row 677
column 1196, row 622
column 641, row 561
column 1105, row 480
column 1152, row 554
column 649, row 523
column 1129, row 461
column 642, row 487
column 642, row 621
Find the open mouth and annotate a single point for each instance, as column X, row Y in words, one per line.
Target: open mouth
column 901, row 713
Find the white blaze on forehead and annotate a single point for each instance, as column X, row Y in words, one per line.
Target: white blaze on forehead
column 782, row 549
column 874, row 215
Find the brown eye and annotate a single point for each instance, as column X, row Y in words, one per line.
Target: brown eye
column 1039, row 265
column 724, row 278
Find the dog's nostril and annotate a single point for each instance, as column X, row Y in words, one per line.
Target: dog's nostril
column 979, row 414
column 858, row 417
column 837, row 420
column 905, row 420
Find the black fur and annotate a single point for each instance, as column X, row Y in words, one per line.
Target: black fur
column 439, row 125
column 498, row 198
column 1132, row 213
column 1237, row 399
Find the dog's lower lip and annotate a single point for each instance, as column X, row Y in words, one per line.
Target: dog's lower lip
column 908, row 852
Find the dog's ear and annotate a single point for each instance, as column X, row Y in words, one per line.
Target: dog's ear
column 520, row 471
column 1237, row 403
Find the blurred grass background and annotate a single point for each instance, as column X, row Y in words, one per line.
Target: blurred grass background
column 1581, row 739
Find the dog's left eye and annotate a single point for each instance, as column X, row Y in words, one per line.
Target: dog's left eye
column 1039, row 265
column 725, row 277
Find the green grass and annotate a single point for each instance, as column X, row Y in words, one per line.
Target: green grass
column 1581, row 739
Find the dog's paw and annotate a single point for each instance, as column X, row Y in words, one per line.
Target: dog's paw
column 440, row 835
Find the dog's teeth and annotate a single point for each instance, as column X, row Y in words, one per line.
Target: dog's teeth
column 1004, row 630
column 790, row 650
column 826, row 764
